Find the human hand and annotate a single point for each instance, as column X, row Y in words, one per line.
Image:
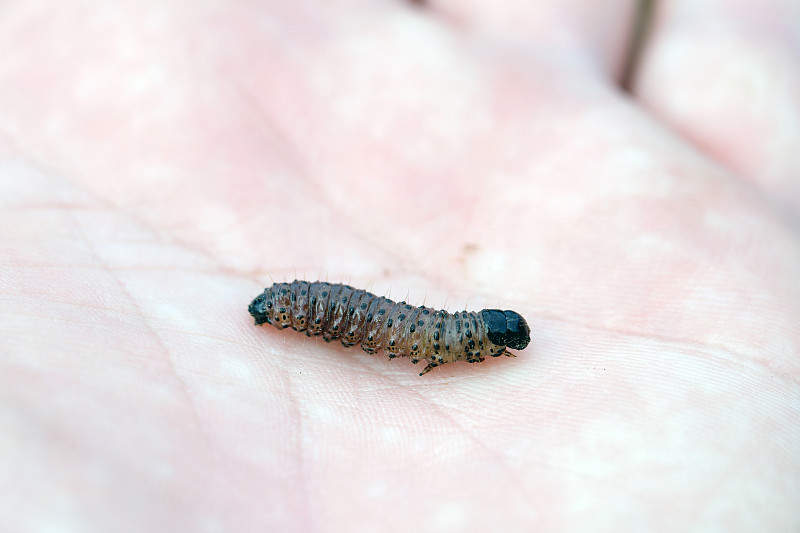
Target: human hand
column 159, row 162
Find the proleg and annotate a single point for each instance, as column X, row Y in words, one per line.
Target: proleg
column 355, row 316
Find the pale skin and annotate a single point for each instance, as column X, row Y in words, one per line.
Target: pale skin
column 162, row 162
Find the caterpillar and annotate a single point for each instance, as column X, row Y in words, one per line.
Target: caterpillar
column 355, row 316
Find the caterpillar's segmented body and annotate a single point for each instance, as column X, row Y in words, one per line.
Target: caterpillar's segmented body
column 355, row 316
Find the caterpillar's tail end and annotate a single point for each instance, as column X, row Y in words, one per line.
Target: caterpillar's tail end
column 258, row 309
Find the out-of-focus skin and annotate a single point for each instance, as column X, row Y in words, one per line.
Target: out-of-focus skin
column 162, row 162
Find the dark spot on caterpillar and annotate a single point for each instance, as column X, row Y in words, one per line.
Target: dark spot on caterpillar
column 494, row 329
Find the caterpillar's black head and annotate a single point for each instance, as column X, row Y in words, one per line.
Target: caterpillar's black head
column 506, row 328
column 258, row 308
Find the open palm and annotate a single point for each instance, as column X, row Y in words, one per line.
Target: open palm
column 161, row 162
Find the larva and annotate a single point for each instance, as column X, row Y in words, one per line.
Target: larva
column 355, row 316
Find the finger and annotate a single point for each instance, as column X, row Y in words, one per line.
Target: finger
column 594, row 33
column 727, row 75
